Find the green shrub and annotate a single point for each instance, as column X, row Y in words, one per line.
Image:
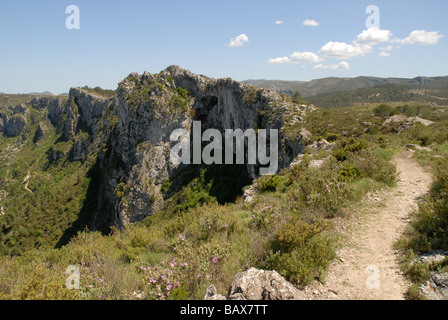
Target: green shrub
column 383, row 110
column 165, row 186
column 180, row 102
column 374, row 164
column 273, row 183
column 431, row 223
column 348, row 146
column 349, row 172
column 331, row 137
column 372, row 130
column 195, row 193
column 301, row 253
column 426, row 135
column 184, row 93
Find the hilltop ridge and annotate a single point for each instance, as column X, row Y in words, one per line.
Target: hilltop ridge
column 333, row 84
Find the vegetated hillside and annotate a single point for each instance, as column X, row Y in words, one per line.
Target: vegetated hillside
column 330, row 85
column 385, row 93
column 15, row 99
column 75, row 165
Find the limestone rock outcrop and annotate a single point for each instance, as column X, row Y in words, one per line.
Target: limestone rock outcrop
column 436, row 288
column 150, row 106
column 130, row 132
column 255, row 284
column 15, row 125
column 212, row 294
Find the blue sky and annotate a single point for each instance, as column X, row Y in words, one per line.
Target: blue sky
column 270, row 40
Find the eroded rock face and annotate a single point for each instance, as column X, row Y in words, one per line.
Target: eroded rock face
column 150, row 107
column 15, row 126
column 55, row 107
column 20, row 109
column 40, row 133
column 84, row 110
column 255, row 284
column 2, row 124
column 131, row 132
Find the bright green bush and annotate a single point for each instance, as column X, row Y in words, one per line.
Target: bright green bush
column 349, row 172
column 273, row 183
column 383, row 110
column 348, row 146
column 431, row 223
column 301, row 252
column 165, row 186
column 184, row 93
column 374, row 164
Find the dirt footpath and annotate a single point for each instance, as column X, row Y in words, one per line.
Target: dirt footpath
column 367, row 265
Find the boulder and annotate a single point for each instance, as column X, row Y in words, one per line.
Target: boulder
column 212, row 294
column 250, row 193
column 255, row 284
column 306, row 135
column 437, row 287
column 316, row 164
column 431, row 257
column 322, row 145
column 416, row 147
column 406, row 122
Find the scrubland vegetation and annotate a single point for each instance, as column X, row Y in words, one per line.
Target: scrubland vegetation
column 204, row 235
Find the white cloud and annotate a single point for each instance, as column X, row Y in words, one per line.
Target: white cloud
column 300, row 57
column 297, row 57
column 239, row 41
column 363, row 44
column 279, row 22
column 341, row 66
column 388, row 48
column 373, row 36
column 311, row 23
column 421, row 37
column 279, row 60
column 342, row 50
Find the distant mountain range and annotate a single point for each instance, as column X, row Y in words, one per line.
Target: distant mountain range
column 340, row 92
column 46, row 93
column 328, row 85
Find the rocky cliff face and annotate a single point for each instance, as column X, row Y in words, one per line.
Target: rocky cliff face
column 150, row 107
column 13, row 122
column 131, row 132
column 13, row 126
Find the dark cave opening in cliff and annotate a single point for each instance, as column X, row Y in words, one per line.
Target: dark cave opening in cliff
column 203, row 118
column 208, row 102
column 227, row 181
column 203, row 108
